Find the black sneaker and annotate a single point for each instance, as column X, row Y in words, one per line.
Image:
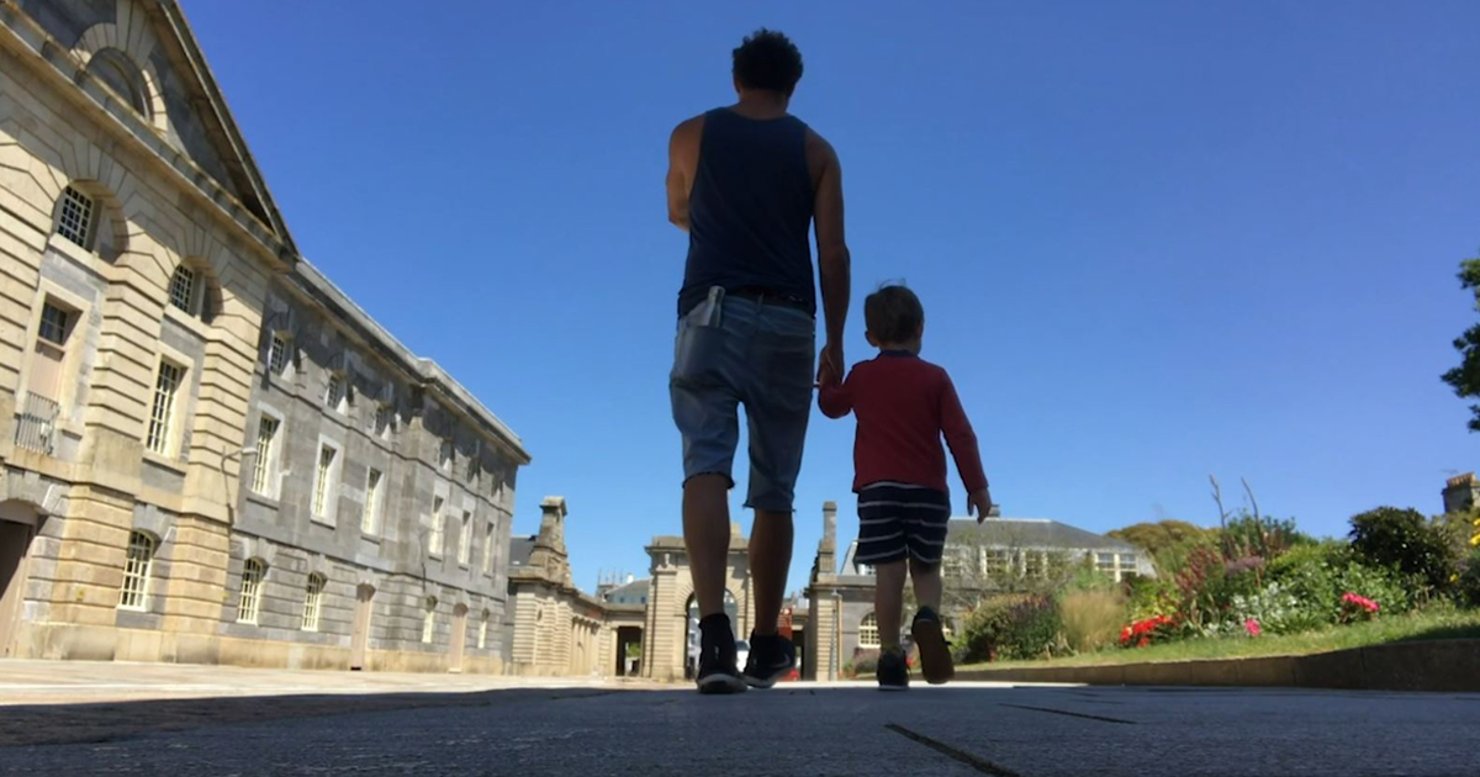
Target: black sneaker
column 935, row 652
column 892, row 673
column 717, row 672
column 771, row 658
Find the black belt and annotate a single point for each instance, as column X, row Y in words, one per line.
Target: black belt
column 766, row 296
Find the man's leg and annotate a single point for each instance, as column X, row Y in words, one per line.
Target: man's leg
column 706, row 534
column 770, row 557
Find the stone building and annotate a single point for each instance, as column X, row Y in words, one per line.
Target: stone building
column 208, row 453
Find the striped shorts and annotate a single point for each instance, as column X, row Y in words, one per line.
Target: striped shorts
column 896, row 521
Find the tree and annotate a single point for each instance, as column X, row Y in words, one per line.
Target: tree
column 1405, row 541
column 1168, row 542
column 1465, row 379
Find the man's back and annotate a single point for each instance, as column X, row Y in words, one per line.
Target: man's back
column 750, row 209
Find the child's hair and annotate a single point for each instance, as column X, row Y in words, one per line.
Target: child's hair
column 893, row 314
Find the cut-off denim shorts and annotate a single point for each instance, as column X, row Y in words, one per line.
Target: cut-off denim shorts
column 733, row 351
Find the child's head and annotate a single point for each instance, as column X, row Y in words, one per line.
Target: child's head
column 895, row 318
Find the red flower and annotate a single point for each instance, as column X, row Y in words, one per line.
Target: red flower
column 1252, row 626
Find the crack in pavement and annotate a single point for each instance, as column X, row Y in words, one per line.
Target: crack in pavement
column 1084, row 715
column 974, row 761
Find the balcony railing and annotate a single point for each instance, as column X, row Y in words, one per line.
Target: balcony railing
column 36, row 424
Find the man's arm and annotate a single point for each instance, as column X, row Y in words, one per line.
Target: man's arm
column 683, row 159
column 833, row 259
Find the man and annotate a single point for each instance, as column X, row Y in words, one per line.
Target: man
column 746, row 182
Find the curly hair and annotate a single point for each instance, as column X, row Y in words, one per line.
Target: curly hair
column 767, row 59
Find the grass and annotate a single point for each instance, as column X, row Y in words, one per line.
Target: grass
column 1435, row 623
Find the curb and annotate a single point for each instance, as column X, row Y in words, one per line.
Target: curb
column 1450, row 665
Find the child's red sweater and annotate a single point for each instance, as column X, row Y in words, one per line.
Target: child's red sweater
column 903, row 404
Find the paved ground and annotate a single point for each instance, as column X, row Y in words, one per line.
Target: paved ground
column 535, row 728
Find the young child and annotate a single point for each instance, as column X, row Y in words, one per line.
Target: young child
column 903, row 404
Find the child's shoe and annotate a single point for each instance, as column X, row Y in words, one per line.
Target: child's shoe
column 892, row 673
column 935, row 652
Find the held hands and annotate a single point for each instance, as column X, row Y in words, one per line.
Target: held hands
column 830, row 364
column 979, row 503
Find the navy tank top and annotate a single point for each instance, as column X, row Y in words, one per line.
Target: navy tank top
column 750, row 209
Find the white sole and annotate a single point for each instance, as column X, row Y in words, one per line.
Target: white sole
column 721, row 683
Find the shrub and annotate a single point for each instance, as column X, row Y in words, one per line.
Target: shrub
column 983, row 629
column 1091, row 618
column 1157, row 628
column 1468, row 584
column 1268, row 538
column 1406, row 541
column 1034, row 629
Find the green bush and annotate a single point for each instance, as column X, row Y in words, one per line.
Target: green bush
column 1318, row 575
column 1034, row 630
column 983, row 629
column 1405, row 541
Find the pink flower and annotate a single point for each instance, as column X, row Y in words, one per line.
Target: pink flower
column 1252, row 626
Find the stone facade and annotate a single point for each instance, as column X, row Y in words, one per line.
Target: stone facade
column 207, row 452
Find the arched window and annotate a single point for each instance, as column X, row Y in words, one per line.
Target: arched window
column 76, row 216
column 253, row 573
column 483, row 630
column 137, row 566
column 192, row 293
column 868, row 631
column 114, row 68
column 312, row 596
column 429, row 621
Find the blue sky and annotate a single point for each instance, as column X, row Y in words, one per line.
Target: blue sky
column 1155, row 241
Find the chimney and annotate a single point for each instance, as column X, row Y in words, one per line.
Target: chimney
column 827, row 549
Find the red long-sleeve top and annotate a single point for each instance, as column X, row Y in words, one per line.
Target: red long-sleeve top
column 903, row 404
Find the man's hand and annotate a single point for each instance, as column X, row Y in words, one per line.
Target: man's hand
column 979, row 502
column 830, row 364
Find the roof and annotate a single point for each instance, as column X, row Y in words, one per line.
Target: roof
column 1014, row 533
column 635, row 592
column 520, row 549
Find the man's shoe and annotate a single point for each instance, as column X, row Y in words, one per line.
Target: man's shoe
column 935, row 652
column 771, row 658
column 717, row 672
column 893, row 675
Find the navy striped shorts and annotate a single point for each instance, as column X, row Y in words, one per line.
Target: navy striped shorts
column 896, row 521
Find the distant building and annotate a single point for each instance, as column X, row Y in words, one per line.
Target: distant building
column 1461, row 492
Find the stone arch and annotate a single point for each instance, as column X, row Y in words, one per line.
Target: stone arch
column 109, row 231
column 207, row 302
column 129, row 38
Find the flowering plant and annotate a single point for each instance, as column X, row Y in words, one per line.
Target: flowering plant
column 1141, row 633
column 1252, row 627
column 1354, row 607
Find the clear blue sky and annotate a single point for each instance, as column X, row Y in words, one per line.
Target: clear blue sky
column 1154, row 240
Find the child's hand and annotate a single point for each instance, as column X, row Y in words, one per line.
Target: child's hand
column 979, row 502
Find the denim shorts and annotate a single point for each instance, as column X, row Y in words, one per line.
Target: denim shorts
column 751, row 353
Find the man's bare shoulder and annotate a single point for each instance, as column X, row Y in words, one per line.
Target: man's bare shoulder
column 688, row 129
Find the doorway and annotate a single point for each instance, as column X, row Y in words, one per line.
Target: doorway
column 359, row 641
column 629, row 650
column 459, row 637
column 18, row 525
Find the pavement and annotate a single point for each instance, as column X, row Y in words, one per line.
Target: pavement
column 142, row 719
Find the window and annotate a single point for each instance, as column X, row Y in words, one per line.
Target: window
column 185, row 290
column 323, row 487
column 465, row 539
column 55, row 324
column 253, row 572
column 263, row 468
column 868, row 631
column 429, row 621
column 999, row 563
column 136, row 568
column 1033, row 564
column 75, row 217
column 384, row 417
column 334, row 393
column 312, row 595
column 445, row 456
column 474, row 470
column 370, row 521
column 434, row 541
column 483, row 630
column 488, row 548
column 162, row 415
column 277, row 354
column 1105, row 562
column 115, row 69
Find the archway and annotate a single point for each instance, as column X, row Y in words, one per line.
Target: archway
column 629, row 651
column 359, row 641
column 19, row 523
column 691, row 633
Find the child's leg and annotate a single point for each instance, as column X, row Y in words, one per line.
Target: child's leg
column 926, row 579
column 889, row 602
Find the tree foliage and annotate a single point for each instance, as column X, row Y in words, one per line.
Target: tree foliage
column 1465, row 379
column 1168, row 542
column 1406, row 541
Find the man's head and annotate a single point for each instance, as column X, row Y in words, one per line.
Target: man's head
column 767, row 61
column 895, row 318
